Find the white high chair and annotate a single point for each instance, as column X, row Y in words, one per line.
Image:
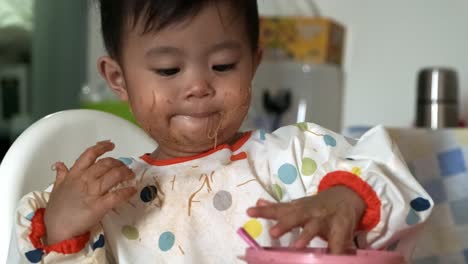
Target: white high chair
column 62, row 136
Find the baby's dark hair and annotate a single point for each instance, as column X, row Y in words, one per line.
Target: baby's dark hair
column 158, row 14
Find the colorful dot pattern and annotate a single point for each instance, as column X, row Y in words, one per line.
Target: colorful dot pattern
column 287, row 173
column 222, row 200
column 417, row 205
column 277, row 191
column 329, row 141
column 149, row 193
column 126, row 161
column 166, row 241
column 34, row 256
column 30, row 216
column 130, row 232
column 412, row 218
column 420, row 204
column 356, row 171
column 262, row 135
column 254, row 228
column 309, row 166
column 99, row 243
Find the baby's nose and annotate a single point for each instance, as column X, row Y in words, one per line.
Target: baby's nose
column 200, row 89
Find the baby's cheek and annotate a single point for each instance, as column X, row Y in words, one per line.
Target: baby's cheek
column 237, row 113
column 244, row 101
column 238, row 97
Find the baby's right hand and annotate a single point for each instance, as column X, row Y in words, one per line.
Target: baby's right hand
column 81, row 196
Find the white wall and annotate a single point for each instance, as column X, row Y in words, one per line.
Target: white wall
column 388, row 42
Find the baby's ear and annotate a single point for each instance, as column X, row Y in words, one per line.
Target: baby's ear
column 111, row 71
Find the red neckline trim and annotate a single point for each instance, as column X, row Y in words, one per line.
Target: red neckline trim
column 237, row 145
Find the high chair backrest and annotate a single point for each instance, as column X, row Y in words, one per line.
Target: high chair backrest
column 62, row 136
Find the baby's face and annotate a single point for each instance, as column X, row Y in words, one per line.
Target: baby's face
column 190, row 82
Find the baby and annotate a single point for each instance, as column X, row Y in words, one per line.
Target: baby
column 185, row 68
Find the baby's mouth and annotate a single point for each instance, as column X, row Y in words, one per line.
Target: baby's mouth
column 198, row 115
column 207, row 119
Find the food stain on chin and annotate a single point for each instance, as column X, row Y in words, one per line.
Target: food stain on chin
column 214, row 134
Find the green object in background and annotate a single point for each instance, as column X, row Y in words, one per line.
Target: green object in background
column 117, row 108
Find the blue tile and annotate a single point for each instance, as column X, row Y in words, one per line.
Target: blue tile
column 426, row 168
column 460, row 211
column 436, row 190
column 451, row 162
column 456, row 187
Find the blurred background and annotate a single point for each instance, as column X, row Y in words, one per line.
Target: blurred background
column 346, row 65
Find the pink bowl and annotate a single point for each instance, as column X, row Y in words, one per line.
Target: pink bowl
column 319, row 256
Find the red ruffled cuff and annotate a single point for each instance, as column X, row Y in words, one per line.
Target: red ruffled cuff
column 371, row 216
column 38, row 231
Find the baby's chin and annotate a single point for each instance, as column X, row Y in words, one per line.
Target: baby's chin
column 200, row 141
column 199, row 131
column 195, row 135
column 195, row 142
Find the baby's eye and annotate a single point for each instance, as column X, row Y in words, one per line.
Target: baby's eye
column 167, row 72
column 224, row 67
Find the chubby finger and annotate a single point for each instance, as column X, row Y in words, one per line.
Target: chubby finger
column 103, row 166
column 114, row 198
column 310, row 230
column 289, row 220
column 61, row 172
column 340, row 236
column 272, row 212
column 113, row 177
column 263, row 202
column 88, row 158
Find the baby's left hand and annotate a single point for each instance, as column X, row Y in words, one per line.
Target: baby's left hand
column 332, row 214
